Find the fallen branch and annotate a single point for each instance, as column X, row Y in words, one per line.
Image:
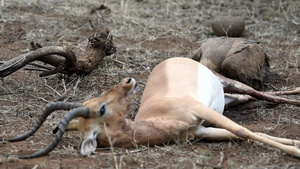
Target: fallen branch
column 62, row 59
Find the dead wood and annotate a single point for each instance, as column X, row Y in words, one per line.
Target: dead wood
column 235, row 58
column 63, row 59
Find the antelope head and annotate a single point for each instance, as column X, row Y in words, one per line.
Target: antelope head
column 111, row 107
column 105, row 111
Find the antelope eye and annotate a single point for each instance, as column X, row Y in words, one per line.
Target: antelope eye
column 102, row 110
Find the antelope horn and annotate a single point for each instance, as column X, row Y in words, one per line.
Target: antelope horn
column 42, row 117
column 233, row 86
column 77, row 112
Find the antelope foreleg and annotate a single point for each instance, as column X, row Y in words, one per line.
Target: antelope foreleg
column 288, row 92
column 73, row 125
column 236, row 99
column 211, row 133
column 280, row 140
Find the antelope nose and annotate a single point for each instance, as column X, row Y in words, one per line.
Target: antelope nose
column 129, row 80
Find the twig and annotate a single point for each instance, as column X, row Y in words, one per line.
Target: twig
column 221, row 159
column 5, row 100
column 136, row 151
column 145, row 68
column 208, row 165
column 64, row 85
column 111, row 146
column 39, row 98
column 272, row 86
column 223, row 27
column 41, row 66
column 115, row 60
column 34, row 69
column 76, row 85
column 278, row 121
column 7, row 93
column 51, row 88
column 10, row 91
column 121, row 153
column 67, row 88
column 281, row 7
column 296, row 23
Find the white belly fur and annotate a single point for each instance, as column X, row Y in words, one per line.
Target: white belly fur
column 210, row 90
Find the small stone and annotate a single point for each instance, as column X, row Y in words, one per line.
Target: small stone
column 228, row 26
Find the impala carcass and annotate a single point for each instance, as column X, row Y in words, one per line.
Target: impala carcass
column 177, row 103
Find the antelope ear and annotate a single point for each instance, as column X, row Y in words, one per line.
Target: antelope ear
column 89, row 145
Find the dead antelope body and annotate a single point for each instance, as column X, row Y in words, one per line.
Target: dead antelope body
column 180, row 99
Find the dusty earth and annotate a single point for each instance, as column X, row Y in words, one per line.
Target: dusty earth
column 145, row 33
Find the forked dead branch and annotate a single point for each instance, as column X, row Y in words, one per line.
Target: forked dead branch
column 176, row 104
column 63, row 59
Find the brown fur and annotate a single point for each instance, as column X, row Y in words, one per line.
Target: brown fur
column 236, row 58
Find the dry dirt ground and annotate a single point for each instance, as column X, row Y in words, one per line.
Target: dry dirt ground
column 145, row 33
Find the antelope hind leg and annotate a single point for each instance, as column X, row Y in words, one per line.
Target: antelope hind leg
column 202, row 112
column 219, row 134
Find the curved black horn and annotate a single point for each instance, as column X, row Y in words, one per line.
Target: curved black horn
column 42, row 117
column 77, row 112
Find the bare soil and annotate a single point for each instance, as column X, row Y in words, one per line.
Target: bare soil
column 145, row 33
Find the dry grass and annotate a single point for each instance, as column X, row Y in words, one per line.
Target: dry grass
column 145, row 33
